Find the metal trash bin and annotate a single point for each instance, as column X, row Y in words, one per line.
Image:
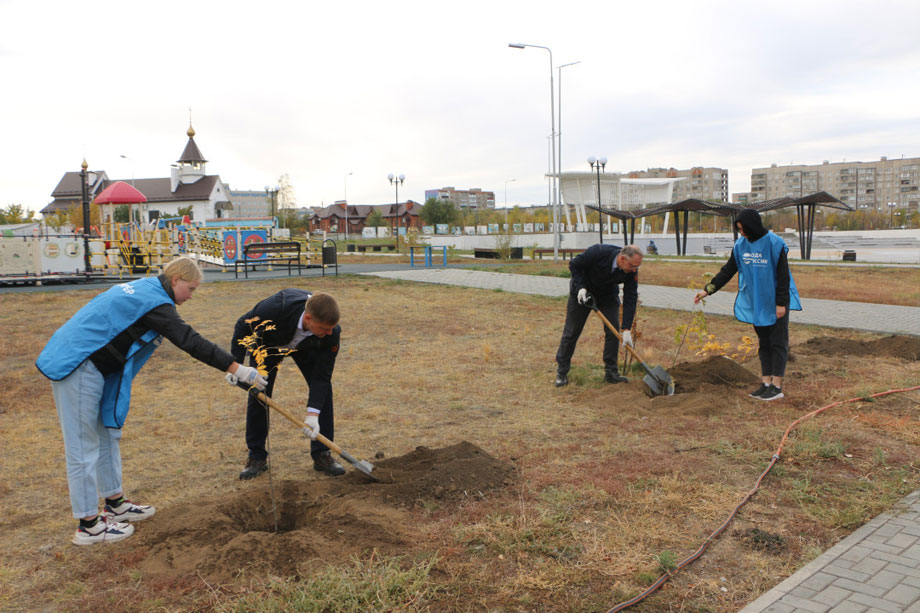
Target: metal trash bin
column 330, row 255
column 849, row 255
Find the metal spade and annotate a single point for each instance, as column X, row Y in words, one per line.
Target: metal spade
column 658, row 381
column 361, row 465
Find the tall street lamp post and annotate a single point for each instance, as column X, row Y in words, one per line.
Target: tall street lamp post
column 598, row 164
column 84, row 191
column 396, row 180
column 345, row 181
column 552, row 122
column 507, row 181
column 559, row 140
column 891, row 206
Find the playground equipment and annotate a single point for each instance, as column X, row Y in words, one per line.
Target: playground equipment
column 138, row 248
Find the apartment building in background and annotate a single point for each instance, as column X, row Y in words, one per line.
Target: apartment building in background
column 699, row 182
column 473, row 198
column 863, row 185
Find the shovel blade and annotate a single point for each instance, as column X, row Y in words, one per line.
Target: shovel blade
column 361, row 465
column 659, row 382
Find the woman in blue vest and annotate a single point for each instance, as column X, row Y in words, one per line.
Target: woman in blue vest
column 92, row 360
column 766, row 294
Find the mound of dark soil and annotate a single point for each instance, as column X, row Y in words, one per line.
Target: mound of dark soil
column 717, row 370
column 903, row 347
column 325, row 520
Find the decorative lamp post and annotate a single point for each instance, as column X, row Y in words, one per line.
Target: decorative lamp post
column 598, row 164
column 552, row 122
column 345, row 181
column 272, row 193
column 396, row 180
column 84, row 191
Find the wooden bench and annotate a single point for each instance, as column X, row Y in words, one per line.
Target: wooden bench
column 257, row 254
column 571, row 252
column 517, row 253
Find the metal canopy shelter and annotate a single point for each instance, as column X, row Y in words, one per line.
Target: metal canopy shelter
column 709, row 207
column 622, row 216
column 805, row 214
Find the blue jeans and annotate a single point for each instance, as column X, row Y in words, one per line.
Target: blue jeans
column 91, row 450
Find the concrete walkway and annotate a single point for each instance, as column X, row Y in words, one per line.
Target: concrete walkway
column 881, row 318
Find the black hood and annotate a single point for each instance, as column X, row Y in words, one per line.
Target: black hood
column 752, row 225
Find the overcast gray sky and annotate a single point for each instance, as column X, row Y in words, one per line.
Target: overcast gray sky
column 432, row 90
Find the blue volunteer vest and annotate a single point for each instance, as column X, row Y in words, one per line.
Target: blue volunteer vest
column 756, row 299
column 93, row 327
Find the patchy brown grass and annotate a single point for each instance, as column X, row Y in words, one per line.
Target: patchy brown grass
column 608, row 479
column 830, row 282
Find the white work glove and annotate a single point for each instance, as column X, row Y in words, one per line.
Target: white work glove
column 627, row 338
column 312, row 420
column 583, row 296
column 247, row 375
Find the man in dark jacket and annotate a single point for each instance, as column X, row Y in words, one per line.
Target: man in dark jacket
column 305, row 326
column 597, row 273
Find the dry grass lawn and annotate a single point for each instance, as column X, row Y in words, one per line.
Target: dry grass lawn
column 610, row 483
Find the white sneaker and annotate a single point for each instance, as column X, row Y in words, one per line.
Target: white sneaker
column 104, row 531
column 128, row 511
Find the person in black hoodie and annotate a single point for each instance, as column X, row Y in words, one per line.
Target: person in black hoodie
column 305, row 326
column 598, row 273
column 766, row 294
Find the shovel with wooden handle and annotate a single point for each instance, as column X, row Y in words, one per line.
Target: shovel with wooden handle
column 361, row 465
column 658, row 381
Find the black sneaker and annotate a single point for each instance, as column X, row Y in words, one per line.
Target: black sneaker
column 325, row 463
column 613, row 376
column 772, row 393
column 253, row 469
column 759, row 391
column 562, row 378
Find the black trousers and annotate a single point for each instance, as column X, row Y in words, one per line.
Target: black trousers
column 575, row 317
column 257, row 414
column 774, row 347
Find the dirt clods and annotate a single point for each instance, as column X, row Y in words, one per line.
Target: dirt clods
column 903, row 347
column 717, row 370
column 288, row 528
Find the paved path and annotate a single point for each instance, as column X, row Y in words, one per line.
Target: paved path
column 882, row 318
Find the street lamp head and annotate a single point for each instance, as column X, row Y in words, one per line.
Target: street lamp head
column 391, row 176
column 267, row 189
column 516, row 45
column 402, row 178
column 602, row 160
column 591, row 160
